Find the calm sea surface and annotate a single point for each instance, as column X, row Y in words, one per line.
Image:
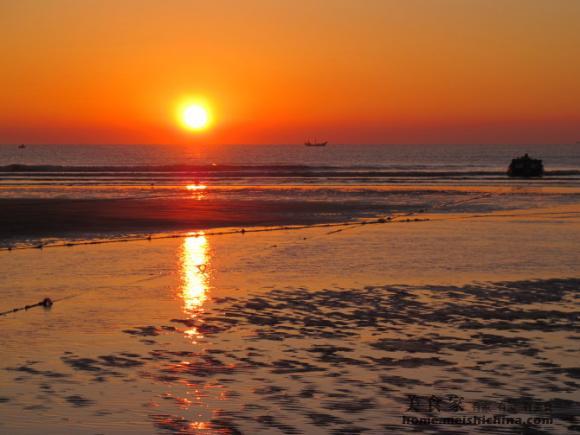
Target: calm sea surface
column 394, row 157
column 42, row 170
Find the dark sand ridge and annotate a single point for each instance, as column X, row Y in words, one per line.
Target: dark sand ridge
column 25, row 219
column 35, row 218
column 336, row 361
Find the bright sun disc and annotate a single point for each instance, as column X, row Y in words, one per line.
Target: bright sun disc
column 195, row 117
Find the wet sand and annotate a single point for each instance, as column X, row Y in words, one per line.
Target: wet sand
column 330, row 361
column 295, row 333
column 118, row 212
column 22, row 219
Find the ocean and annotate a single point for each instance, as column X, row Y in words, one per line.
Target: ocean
column 277, row 164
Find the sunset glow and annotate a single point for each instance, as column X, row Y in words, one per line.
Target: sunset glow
column 195, row 117
column 348, row 72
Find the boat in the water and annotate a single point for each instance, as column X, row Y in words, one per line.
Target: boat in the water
column 315, row 144
column 526, row 167
column 21, row 146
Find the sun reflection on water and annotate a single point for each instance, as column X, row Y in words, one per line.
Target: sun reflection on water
column 196, row 191
column 194, row 276
column 196, row 187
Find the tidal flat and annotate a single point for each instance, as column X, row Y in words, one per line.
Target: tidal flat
column 311, row 331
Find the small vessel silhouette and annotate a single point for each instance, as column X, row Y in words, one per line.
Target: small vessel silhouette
column 526, row 167
column 21, row 146
column 315, row 143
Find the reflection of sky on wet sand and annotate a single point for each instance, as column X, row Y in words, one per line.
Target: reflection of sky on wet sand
column 194, row 270
column 310, row 336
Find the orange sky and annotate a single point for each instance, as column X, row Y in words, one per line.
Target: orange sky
column 278, row 71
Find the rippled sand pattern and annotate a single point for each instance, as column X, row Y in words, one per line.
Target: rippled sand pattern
column 333, row 361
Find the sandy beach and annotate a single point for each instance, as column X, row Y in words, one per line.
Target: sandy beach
column 33, row 215
column 33, row 219
column 298, row 332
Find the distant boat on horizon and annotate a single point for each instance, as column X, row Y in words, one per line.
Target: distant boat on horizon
column 315, row 143
column 22, row 146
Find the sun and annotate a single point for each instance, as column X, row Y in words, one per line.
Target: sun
column 195, row 117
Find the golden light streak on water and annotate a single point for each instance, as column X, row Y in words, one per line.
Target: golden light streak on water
column 194, row 276
column 196, row 187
